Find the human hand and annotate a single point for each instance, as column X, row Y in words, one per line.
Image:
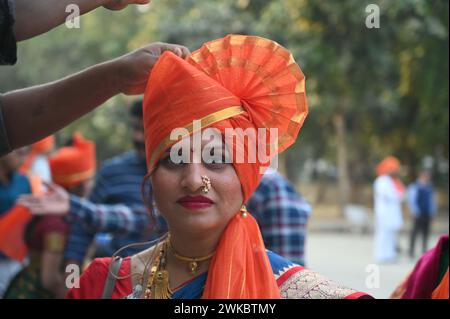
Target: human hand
column 55, row 202
column 121, row 4
column 135, row 67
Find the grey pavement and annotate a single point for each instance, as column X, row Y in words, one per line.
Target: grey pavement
column 347, row 258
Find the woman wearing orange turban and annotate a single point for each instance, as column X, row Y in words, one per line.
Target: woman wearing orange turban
column 243, row 91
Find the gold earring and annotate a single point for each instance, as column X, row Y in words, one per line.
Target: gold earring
column 244, row 211
column 206, row 184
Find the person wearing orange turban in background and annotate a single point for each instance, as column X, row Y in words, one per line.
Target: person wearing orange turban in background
column 389, row 193
column 36, row 162
column 73, row 168
column 214, row 247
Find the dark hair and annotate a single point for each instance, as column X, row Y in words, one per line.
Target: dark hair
column 136, row 109
column 147, row 198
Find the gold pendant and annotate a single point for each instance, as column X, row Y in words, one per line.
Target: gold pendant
column 193, row 267
column 161, row 286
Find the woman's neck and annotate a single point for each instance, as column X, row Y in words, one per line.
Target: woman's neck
column 193, row 245
column 190, row 246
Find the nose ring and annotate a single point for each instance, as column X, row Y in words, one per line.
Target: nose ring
column 206, row 184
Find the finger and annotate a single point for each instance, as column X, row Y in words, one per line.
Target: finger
column 182, row 52
column 52, row 187
column 177, row 51
column 169, row 47
column 35, row 209
column 27, row 201
column 29, row 198
column 185, row 52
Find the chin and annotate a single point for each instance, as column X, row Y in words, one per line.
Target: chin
column 197, row 224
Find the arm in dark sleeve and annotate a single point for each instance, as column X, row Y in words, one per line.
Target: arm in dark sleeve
column 87, row 219
column 4, row 143
column 116, row 218
column 8, row 47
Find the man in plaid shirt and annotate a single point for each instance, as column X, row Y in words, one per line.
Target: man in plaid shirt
column 282, row 214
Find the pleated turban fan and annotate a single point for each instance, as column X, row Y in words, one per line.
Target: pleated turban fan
column 244, row 82
column 72, row 165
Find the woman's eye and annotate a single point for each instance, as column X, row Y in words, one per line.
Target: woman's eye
column 167, row 162
column 217, row 162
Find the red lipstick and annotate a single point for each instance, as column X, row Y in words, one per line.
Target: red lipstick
column 195, row 202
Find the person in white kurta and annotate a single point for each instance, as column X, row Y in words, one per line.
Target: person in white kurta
column 388, row 197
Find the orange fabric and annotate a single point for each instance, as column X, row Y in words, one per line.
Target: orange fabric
column 398, row 185
column 261, row 78
column 74, row 164
column 388, row 166
column 441, row 292
column 43, row 146
column 12, row 226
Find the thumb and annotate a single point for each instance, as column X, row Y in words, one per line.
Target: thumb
column 172, row 48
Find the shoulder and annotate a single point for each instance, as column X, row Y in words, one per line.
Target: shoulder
column 126, row 163
column 279, row 263
column 383, row 181
column 119, row 160
column 297, row 282
column 92, row 281
column 272, row 178
column 130, row 157
column 306, row 284
column 412, row 186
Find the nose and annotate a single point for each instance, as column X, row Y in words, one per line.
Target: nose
column 192, row 177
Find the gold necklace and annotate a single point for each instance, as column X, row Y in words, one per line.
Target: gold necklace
column 193, row 262
column 158, row 281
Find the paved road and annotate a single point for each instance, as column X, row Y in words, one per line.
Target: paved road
column 347, row 259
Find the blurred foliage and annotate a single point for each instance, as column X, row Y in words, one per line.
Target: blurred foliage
column 389, row 85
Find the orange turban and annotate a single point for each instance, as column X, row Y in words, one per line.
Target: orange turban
column 235, row 82
column 388, row 166
column 74, row 164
